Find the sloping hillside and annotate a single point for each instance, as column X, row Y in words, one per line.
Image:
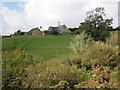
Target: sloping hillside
column 45, row 47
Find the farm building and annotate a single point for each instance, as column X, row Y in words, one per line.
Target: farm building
column 35, row 31
column 53, row 28
column 61, row 29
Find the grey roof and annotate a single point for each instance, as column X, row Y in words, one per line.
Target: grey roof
column 53, row 28
column 34, row 29
column 63, row 26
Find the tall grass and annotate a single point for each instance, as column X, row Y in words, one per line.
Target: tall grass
column 113, row 40
column 80, row 43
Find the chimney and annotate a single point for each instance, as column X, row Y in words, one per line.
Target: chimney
column 40, row 27
column 58, row 23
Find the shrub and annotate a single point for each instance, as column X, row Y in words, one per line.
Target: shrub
column 76, row 60
column 73, row 60
column 84, row 74
column 14, row 65
column 115, row 78
column 50, row 73
column 80, row 43
column 102, row 54
column 100, row 78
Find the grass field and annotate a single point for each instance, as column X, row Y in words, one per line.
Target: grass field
column 45, row 47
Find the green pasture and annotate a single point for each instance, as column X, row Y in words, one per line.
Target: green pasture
column 45, row 47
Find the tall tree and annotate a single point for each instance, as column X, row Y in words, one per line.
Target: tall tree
column 96, row 25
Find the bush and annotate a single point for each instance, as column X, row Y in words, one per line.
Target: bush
column 50, row 73
column 76, row 60
column 115, row 78
column 100, row 78
column 14, row 65
column 72, row 60
column 101, row 54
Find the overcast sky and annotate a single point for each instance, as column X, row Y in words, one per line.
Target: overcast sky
column 27, row 14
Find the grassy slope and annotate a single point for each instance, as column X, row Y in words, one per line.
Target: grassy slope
column 45, row 47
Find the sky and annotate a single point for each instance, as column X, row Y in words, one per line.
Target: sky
column 28, row 14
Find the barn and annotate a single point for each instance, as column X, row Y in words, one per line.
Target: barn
column 35, row 31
